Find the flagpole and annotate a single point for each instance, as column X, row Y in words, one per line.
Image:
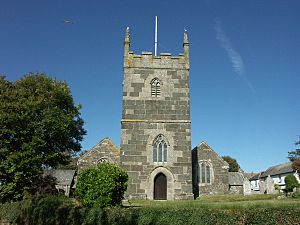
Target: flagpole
column 155, row 38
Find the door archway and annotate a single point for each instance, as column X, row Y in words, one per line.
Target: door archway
column 160, row 187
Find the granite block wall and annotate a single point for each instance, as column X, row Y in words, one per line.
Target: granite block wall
column 104, row 151
column 219, row 183
column 144, row 117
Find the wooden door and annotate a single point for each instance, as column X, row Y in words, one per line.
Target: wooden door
column 160, row 187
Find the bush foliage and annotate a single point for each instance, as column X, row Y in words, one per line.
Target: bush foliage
column 290, row 183
column 103, row 185
column 233, row 164
column 55, row 210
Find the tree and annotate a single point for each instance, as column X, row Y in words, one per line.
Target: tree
column 71, row 165
column 290, row 183
column 40, row 126
column 102, row 185
column 294, row 156
column 233, row 164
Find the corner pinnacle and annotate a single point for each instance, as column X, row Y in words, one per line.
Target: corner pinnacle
column 185, row 37
column 127, row 36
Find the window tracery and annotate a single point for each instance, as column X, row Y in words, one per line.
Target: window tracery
column 155, row 88
column 205, row 173
column 160, row 149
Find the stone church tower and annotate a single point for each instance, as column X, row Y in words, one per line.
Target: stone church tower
column 156, row 127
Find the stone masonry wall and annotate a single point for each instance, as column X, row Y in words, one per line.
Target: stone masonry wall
column 236, row 189
column 145, row 117
column 105, row 150
column 219, row 177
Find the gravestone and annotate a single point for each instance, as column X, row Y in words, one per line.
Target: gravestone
column 262, row 187
column 270, row 188
column 247, row 187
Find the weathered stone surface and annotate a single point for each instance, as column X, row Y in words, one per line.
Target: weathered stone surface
column 236, row 183
column 247, row 187
column 270, row 188
column 262, row 187
column 145, row 117
column 105, row 150
column 219, row 183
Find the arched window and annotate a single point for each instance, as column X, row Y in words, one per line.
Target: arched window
column 103, row 159
column 155, row 88
column 160, row 149
column 205, row 173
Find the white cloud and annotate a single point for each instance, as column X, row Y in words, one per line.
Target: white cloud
column 234, row 56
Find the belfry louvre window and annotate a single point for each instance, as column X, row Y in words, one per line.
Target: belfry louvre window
column 160, row 149
column 155, row 88
column 205, row 171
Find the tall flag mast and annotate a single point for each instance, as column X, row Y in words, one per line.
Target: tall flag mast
column 155, row 37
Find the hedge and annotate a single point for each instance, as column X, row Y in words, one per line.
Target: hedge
column 62, row 210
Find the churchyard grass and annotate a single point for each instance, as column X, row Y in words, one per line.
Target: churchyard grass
column 225, row 202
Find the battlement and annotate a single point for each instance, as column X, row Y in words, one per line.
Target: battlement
column 148, row 60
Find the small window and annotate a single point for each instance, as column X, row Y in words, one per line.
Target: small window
column 160, row 149
column 155, row 88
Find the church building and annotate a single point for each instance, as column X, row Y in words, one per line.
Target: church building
column 155, row 147
column 156, row 126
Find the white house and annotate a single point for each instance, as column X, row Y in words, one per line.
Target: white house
column 254, row 182
column 277, row 173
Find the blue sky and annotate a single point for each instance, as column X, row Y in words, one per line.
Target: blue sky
column 245, row 63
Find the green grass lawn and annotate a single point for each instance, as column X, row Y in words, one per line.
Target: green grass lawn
column 224, row 202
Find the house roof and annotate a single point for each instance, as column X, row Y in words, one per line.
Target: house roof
column 236, row 178
column 256, row 176
column 63, row 177
column 278, row 169
column 249, row 175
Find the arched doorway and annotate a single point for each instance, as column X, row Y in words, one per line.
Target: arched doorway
column 160, row 187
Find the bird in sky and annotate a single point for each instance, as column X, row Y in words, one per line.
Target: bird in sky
column 66, row 21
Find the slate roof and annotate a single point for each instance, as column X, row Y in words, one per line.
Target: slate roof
column 235, row 178
column 256, row 176
column 278, row 169
column 63, row 177
column 249, row 175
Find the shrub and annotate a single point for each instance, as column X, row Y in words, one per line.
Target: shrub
column 277, row 187
column 296, row 195
column 290, row 183
column 103, row 185
column 42, row 210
